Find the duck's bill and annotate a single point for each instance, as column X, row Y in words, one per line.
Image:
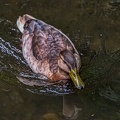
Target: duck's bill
column 76, row 79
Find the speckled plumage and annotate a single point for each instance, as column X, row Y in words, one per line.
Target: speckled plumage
column 44, row 48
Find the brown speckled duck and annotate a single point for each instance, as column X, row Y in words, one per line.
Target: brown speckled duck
column 48, row 51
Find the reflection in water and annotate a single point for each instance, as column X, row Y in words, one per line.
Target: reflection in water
column 44, row 86
column 94, row 28
column 70, row 111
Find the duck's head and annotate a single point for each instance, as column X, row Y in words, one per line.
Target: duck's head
column 69, row 64
column 22, row 20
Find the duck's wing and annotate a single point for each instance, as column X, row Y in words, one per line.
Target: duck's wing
column 67, row 38
column 60, row 32
column 39, row 45
column 69, row 48
column 33, row 32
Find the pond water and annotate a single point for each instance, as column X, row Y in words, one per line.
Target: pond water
column 94, row 28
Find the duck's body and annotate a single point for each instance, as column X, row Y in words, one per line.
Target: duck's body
column 47, row 50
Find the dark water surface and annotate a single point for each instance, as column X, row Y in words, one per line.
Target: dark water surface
column 94, row 28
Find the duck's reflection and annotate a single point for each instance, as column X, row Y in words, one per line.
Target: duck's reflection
column 70, row 110
column 65, row 89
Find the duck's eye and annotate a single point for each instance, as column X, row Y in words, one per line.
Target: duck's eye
column 65, row 62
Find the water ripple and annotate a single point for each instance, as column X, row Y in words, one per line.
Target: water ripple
column 7, row 48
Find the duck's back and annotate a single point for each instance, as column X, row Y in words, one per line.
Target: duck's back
column 42, row 45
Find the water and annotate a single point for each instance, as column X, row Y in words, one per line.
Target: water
column 94, row 28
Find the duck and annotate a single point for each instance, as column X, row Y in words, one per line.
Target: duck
column 49, row 51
